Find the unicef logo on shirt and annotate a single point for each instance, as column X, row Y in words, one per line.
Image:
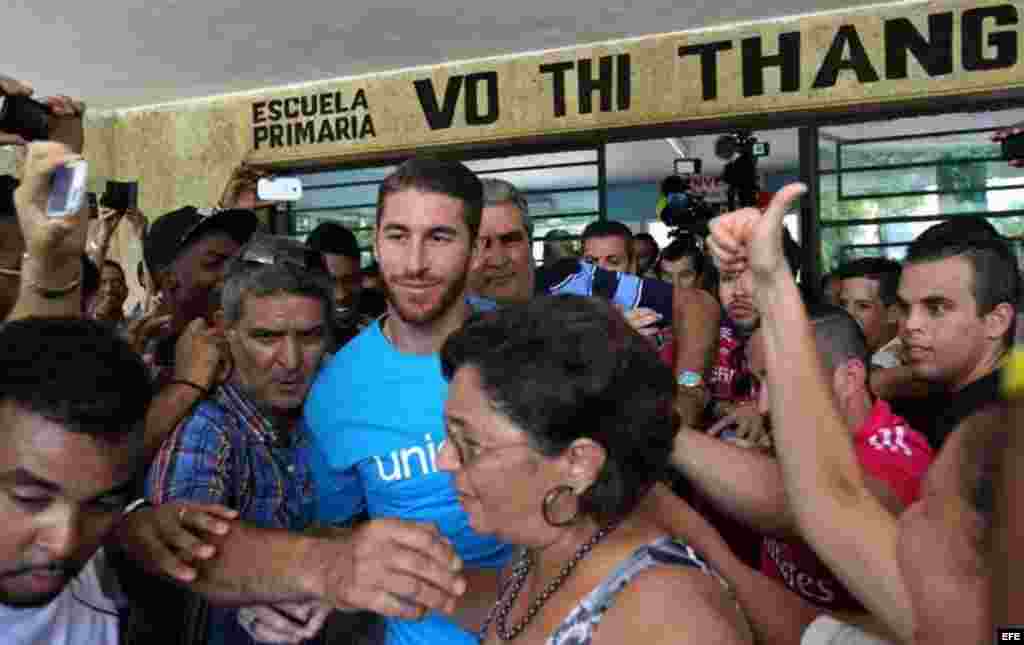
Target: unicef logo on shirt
column 407, row 463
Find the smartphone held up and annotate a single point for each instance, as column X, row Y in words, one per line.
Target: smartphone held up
column 121, row 195
column 67, row 189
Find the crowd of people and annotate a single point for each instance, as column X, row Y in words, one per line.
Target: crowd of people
column 461, row 444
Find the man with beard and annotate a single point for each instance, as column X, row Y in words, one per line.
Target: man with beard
column 387, row 427
column 733, row 399
column 71, row 400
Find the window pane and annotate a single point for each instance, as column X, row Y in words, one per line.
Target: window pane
column 572, row 225
column 827, row 151
column 843, row 243
column 352, row 219
column 347, row 196
column 962, row 178
column 584, row 201
column 993, row 201
column 487, row 165
column 550, row 178
column 924, row 149
column 345, row 176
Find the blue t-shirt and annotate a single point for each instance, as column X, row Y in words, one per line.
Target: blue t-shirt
column 379, row 412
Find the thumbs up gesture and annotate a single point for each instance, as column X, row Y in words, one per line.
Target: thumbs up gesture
column 748, row 239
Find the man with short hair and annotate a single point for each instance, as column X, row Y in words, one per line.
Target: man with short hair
column 506, row 271
column 72, row 401
column 244, row 446
column 241, row 446
column 868, row 293
column 748, row 485
column 339, row 252
column 338, row 255
column 957, row 301
column 609, row 244
column 386, row 431
column 682, row 262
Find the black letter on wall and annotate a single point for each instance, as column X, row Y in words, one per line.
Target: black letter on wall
column 708, row 64
column 788, row 60
column 835, row 63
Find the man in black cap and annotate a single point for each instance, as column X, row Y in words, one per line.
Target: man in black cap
column 187, row 252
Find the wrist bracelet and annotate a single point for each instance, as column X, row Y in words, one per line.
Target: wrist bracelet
column 203, row 390
column 57, row 292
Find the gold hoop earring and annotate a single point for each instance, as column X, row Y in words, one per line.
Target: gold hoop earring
column 550, row 498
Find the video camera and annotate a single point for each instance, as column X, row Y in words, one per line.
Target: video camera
column 681, row 208
column 743, row 149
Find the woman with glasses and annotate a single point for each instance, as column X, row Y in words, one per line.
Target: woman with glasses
column 560, row 421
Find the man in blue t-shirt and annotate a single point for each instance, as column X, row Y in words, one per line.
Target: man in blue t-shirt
column 376, row 408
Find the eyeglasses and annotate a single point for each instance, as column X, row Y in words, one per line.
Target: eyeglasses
column 469, row 453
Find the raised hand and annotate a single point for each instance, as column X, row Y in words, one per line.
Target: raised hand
column 749, row 239
column 52, row 241
column 199, row 354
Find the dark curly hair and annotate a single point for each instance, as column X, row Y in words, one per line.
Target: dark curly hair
column 567, row 367
column 74, row 372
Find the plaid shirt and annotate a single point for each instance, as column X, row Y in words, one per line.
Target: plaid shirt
column 227, row 452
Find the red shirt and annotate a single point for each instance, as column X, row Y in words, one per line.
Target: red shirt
column 888, row 450
column 730, row 367
column 665, row 344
